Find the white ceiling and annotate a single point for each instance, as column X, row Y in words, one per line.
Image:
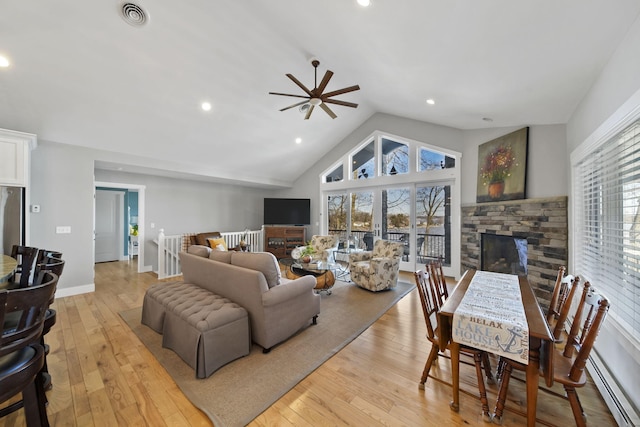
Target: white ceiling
column 81, row 75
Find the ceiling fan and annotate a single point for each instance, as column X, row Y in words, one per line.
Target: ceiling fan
column 315, row 97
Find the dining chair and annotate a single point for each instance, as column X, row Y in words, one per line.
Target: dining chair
column 56, row 266
column 569, row 363
column 430, row 310
column 26, row 257
column 561, row 301
column 43, row 254
column 438, row 281
column 21, row 355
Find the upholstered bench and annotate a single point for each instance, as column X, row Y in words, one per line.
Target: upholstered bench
column 206, row 330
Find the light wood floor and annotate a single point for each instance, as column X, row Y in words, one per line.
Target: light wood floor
column 103, row 375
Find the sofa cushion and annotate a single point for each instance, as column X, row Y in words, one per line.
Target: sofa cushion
column 221, row 256
column 265, row 262
column 199, row 250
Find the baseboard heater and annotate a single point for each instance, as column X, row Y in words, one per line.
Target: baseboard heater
column 621, row 409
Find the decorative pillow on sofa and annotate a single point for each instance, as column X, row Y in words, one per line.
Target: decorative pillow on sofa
column 264, row 262
column 199, row 250
column 218, row 244
column 221, row 256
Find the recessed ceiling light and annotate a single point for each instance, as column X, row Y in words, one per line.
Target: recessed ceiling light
column 364, row 3
column 430, row 101
column 4, row 62
column 298, row 140
column 206, row 106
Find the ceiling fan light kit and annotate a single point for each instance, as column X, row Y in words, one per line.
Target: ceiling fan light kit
column 316, row 97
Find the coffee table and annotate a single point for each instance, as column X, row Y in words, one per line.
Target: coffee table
column 322, row 271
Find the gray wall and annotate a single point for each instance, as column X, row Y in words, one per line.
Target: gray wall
column 617, row 83
column 62, row 183
column 184, row 206
column 547, row 157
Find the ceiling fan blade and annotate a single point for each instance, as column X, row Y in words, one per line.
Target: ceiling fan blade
column 295, row 105
column 327, row 110
column 288, row 94
column 325, row 81
column 343, row 103
column 309, row 111
column 303, row 87
column 341, row 91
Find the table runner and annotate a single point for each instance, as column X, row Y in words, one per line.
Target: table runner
column 491, row 317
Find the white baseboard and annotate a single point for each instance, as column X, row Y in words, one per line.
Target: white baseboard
column 75, row 290
column 147, row 268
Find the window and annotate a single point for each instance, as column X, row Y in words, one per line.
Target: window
column 395, row 157
column 606, row 187
column 335, row 175
column 430, row 160
column 364, row 162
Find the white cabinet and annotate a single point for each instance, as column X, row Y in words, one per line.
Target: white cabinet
column 14, row 157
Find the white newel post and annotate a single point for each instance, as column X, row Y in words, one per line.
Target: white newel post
column 161, row 255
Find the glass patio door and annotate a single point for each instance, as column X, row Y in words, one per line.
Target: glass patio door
column 433, row 223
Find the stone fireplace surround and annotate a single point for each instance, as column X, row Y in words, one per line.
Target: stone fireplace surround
column 543, row 222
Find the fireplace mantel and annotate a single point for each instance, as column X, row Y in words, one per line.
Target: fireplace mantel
column 543, row 222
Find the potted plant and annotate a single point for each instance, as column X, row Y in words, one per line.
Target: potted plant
column 303, row 253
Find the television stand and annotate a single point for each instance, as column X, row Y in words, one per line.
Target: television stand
column 280, row 241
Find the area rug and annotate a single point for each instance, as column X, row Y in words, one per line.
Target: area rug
column 241, row 390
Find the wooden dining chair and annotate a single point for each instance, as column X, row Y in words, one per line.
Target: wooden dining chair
column 438, row 282
column 569, row 363
column 561, row 306
column 430, row 310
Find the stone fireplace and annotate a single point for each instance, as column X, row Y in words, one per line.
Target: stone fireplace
column 503, row 254
column 537, row 227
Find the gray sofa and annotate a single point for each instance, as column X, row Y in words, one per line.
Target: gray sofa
column 277, row 307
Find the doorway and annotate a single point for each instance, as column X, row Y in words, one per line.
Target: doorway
column 140, row 189
column 109, row 230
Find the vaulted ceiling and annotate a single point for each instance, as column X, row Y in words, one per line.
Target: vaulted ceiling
column 80, row 74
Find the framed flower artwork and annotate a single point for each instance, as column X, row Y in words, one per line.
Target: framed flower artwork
column 502, row 168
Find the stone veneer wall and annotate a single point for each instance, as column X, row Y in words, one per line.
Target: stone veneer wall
column 543, row 222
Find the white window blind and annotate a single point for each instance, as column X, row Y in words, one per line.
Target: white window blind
column 606, row 187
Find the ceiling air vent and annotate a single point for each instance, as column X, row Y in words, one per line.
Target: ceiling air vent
column 134, row 14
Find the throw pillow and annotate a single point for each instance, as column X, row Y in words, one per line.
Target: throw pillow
column 218, row 244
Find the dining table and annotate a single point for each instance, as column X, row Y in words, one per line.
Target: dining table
column 8, row 266
column 536, row 352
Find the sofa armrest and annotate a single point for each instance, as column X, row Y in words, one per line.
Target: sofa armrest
column 360, row 256
column 288, row 290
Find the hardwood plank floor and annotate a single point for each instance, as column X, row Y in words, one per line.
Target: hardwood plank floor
column 103, row 375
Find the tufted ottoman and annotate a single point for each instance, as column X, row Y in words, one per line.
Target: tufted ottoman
column 206, row 330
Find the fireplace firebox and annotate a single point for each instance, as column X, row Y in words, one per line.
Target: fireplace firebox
column 503, row 254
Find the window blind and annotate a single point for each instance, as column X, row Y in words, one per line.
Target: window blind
column 606, row 187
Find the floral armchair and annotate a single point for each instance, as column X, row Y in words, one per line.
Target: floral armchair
column 324, row 247
column 378, row 269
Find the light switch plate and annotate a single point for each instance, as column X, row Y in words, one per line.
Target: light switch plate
column 63, row 229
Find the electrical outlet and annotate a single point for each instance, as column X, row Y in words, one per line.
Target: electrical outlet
column 35, row 208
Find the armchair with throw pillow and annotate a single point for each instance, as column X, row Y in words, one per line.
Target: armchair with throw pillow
column 378, row 269
column 324, row 247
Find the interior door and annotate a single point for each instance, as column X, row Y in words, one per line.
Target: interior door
column 109, row 240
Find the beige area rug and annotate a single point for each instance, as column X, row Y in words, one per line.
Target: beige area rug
column 241, row 390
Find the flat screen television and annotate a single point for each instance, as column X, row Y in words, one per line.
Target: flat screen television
column 287, row 211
